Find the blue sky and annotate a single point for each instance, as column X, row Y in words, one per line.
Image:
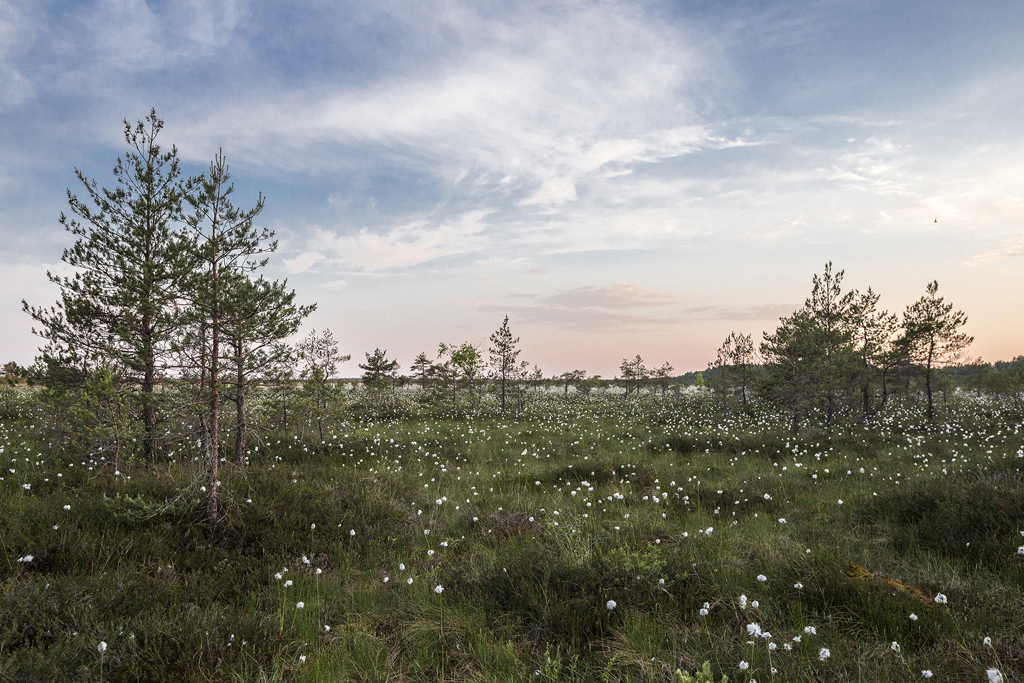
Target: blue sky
column 617, row 177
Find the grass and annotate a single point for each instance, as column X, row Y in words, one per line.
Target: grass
column 665, row 506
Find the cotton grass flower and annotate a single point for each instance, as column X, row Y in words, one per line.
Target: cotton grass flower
column 941, row 599
column 611, row 604
column 927, row 673
column 824, row 653
column 27, row 558
column 762, row 578
column 102, row 647
column 913, row 617
column 894, row 646
column 994, row 675
column 439, row 589
column 409, row 581
column 300, row 605
column 744, row 666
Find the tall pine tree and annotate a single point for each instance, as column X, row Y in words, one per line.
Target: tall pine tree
column 120, row 308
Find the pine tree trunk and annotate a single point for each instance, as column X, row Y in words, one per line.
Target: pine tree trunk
column 212, row 456
column 240, row 423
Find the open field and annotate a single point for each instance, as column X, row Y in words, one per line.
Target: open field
column 589, row 539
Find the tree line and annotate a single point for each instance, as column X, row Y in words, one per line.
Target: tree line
column 841, row 355
column 168, row 326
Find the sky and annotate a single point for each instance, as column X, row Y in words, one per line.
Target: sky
column 618, row 178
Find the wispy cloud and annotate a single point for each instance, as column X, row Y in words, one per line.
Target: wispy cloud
column 1008, row 248
column 402, row 246
column 742, row 313
column 619, row 295
column 591, row 320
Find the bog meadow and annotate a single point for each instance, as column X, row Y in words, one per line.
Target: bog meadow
column 191, row 490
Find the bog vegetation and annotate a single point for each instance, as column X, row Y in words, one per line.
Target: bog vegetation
column 187, row 495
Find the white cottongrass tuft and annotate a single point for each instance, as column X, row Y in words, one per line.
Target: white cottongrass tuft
column 941, row 599
column 894, row 646
column 987, row 641
column 300, row 605
column 927, row 673
column 27, row 558
column 102, row 647
column 439, row 589
column 409, row 581
column 913, row 617
column 611, row 604
column 994, row 676
column 744, row 666
column 811, row 630
column 762, row 578
column 824, row 654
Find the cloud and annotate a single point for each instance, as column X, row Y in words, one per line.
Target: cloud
column 616, row 296
column 763, row 312
column 303, row 262
column 539, row 97
column 1008, row 248
column 583, row 319
column 400, row 247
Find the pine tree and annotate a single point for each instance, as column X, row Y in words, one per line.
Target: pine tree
column 503, row 354
column 571, row 377
column 932, row 338
column 378, row 370
column 224, row 245
column 732, row 365
column 421, row 368
column 120, row 308
column 259, row 316
column 319, row 356
column 873, row 336
column 634, row 373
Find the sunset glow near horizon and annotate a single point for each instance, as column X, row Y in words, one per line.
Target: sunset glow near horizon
column 619, row 178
